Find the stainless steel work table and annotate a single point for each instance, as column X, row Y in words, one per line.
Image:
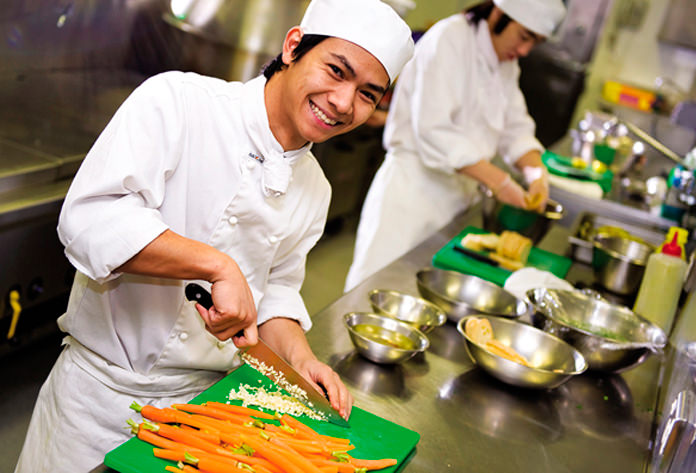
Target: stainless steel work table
column 471, row 422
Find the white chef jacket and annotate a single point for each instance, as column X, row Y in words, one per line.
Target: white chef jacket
column 184, row 152
column 454, row 104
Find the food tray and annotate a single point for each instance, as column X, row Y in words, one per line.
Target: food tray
column 373, row 436
column 448, row 258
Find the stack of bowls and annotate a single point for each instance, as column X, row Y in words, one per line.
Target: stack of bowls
column 421, row 314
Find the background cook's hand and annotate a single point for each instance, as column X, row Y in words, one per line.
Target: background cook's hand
column 233, row 310
column 510, row 192
column 320, row 374
column 538, row 194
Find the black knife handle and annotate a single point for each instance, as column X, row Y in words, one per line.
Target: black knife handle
column 197, row 293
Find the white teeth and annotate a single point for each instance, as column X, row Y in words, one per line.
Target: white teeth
column 321, row 115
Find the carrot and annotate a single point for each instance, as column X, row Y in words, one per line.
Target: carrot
column 213, row 412
column 286, row 459
column 154, row 413
column 173, row 455
column 373, row 464
column 300, row 446
column 340, row 466
column 329, row 469
column 300, row 428
column 185, row 437
column 239, row 410
column 213, row 436
column 161, row 442
column 173, row 469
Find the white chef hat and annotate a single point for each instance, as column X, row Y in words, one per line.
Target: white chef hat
column 540, row 16
column 371, row 24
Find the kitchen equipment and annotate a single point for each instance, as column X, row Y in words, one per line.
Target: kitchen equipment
column 392, row 333
column 563, row 166
column 281, row 371
column 373, row 436
column 498, row 216
column 619, row 263
column 610, row 337
column 552, row 361
column 421, row 314
column 449, row 257
column 590, row 224
column 460, row 295
column 475, row 255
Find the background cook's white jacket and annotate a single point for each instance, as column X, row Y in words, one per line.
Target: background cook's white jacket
column 179, row 154
column 454, row 105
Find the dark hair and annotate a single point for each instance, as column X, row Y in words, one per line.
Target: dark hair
column 306, row 43
column 482, row 11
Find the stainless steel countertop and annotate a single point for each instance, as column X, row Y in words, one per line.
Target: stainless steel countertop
column 470, row 422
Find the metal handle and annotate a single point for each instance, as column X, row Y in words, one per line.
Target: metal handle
column 653, row 142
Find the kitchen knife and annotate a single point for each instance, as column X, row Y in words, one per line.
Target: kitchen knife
column 265, row 354
column 476, row 255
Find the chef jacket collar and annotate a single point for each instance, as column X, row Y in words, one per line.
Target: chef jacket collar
column 277, row 163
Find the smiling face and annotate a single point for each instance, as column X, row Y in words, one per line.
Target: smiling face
column 515, row 41
column 330, row 90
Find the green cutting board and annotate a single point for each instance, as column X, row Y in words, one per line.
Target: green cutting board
column 373, row 436
column 448, row 258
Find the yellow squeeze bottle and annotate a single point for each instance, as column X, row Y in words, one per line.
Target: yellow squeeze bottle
column 662, row 283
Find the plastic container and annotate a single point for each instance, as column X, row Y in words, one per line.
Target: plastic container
column 685, row 326
column 658, row 295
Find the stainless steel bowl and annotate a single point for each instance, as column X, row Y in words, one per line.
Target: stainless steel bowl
column 611, row 337
column 461, row 294
column 498, row 216
column 423, row 315
column 619, row 263
column 552, row 361
column 385, row 327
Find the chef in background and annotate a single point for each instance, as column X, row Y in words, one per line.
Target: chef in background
column 196, row 178
column 456, row 105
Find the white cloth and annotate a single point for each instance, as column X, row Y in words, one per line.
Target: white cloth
column 454, row 105
column 539, row 16
column 182, row 153
column 371, row 24
column 522, row 280
column 589, row 189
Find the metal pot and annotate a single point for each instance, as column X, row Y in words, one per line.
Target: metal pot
column 619, row 263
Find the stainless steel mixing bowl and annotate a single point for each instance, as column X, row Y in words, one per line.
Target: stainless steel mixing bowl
column 619, row 263
column 423, row 315
column 610, row 337
column 498, row 216
column 461, row 294
column 385, row 327
column 552, row 361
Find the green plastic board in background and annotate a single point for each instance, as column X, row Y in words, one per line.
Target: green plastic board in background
column 448, row 258
column 373, row 436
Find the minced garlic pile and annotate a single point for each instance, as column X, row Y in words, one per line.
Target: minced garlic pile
column 277, row 401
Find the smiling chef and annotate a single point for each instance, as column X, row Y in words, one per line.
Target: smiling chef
column 196, row 178
column 456, row 105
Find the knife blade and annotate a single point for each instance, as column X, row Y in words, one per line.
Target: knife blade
column 281, row 371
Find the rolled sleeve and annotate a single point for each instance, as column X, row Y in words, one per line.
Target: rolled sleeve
column 283, row 301
column 111, row 211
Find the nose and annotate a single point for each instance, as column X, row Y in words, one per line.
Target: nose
column 524, row 48
column 342, row 98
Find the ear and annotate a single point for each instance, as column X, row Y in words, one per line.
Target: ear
column 292, row 39
column 495, row 15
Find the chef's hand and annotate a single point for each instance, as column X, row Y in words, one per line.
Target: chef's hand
column 233, row 314
column 538, row 194
column 510, row 192
column 321, row 375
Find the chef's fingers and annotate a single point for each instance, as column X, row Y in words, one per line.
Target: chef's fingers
column 247, row 337
column 339, row 396
column 511, row 193
column 224, row 326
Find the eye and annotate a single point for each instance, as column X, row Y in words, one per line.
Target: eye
column 336, row 70
column 372, row 98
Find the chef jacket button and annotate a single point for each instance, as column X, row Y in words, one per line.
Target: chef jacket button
column 221, row 344
column 250, row 164
column 273, row 238
column 183, row 336
column 233, row 220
